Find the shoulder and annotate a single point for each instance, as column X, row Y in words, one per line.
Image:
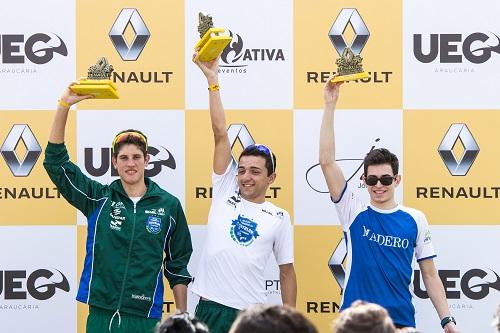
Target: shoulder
column 156, row 190
column 417, row 215
column 277, row 212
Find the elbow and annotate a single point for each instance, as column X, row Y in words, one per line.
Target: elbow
column 325, row 161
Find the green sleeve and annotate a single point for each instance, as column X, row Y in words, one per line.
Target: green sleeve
column 178, row 251
column 78, row 189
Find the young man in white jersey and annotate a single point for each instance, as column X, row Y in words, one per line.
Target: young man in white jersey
column 382, row 237
column 244, row 229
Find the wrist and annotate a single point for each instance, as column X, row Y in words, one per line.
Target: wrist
column 61, row 103
column 446, row 320
column 212, row 80
column 330, row 105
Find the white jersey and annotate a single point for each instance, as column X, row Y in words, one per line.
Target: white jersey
column 241, row 236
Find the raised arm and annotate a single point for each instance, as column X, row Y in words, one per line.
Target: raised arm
column 59, row 123
column 222, row 151
column 331, row 170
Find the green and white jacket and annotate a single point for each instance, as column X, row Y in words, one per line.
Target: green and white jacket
column 125, row 241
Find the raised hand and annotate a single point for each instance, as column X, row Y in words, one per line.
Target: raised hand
column 331, row 91
column 70, row 97
column 209, row 68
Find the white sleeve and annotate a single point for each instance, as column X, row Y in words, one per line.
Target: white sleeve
column 348, row 206
column 423, row 246
column 225, row 184
column 283, row 244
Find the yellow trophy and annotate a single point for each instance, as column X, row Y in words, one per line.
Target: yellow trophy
column 212, row 42
column 98, row 81
column 349, row 67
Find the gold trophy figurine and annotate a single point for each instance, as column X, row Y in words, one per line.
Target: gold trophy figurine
column 212, row 42
column 349, row 67
column 98, row 81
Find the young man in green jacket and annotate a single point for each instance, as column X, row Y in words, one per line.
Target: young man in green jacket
column 132, row 222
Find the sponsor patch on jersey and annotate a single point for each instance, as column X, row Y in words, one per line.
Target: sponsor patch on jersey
column 428, row 237
column 153, row 225
column 243, row 231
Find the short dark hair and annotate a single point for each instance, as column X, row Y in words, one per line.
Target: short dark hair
column 140, row 140
column 272, row 319
column 181, row 323
column 381, row 156
column 364, row 317
column 263, row 151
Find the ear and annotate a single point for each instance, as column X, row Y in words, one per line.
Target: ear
column 113, row 160
column 271, row 178
column 397, row 180
column 146, row 160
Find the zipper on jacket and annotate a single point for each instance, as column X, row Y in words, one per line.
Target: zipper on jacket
column 128, row 260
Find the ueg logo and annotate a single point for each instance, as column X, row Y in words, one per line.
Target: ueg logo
column 20, row 134
column 236, row 58
column 129, row 18
column 159, row 158
column 40, row 284
column 475, row 283
column 349, row 17
column 476, row 48
column 238, row 134
column 38, row 48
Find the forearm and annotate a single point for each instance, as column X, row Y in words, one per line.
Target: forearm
column 59, row 124
column 327, row 137
column 180, row 297
column 288, row 282
column 217, row 115
column 436, row 293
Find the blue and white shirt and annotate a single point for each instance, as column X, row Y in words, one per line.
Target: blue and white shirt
column 381, row 245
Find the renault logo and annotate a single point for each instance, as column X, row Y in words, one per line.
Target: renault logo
column 458, row 166
column 20, row 167
column 129, row 16
column 239, row 132
column 349, row 16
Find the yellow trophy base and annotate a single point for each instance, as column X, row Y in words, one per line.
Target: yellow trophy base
column 350, row 77
column 101, row 89
column 212, row 44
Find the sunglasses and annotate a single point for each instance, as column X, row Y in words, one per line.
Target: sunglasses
column 265, row 150
column 124, row 137
column 385, row 180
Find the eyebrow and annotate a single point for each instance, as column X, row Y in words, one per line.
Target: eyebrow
column 251, row 168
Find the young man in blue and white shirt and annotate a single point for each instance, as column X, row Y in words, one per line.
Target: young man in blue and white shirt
column 382, row 237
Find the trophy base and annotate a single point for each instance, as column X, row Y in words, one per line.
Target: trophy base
column 350, row 77
column 212, row 44
column 101, row 89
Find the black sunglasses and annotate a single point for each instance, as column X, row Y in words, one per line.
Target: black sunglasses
column 385, row 180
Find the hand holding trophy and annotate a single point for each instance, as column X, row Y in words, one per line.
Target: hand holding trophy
column 212, row 42
column 98, row 82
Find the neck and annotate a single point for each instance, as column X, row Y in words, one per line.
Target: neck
column 135, row 190
column 257, row 200
column 384, row 205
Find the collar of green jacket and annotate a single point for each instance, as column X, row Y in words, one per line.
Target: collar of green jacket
column 152, row 189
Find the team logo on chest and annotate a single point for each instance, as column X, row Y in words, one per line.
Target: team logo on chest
column 153, row 224
column 243, row 231
column 115, row 223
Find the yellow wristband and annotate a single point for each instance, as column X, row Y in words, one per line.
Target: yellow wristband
column 213, row 87
column 64, row 104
